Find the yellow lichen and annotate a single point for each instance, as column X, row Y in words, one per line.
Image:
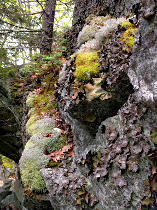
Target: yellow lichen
column 87, row 66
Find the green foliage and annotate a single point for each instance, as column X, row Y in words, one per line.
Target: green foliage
column 21, row 24
column 41, row 63
column 87, row 66
column 26, row 70
column 15, row 22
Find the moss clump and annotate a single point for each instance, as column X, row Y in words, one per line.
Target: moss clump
column 31, row 176
column 36, row 125
column 56, row 144
column 31, row 123
column 129, row 38
column 28, row 144
column 87, row 33
column 87, row 66
column 8, row 163
column 33, row 157
column 31, row 112
column 53, row 164
column 126, row 24
column 30, row 100
column 89, row 18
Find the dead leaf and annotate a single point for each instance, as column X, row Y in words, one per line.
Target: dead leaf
column 59, row 154
column 78, row 201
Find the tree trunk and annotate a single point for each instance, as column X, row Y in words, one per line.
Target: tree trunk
column 47, row 26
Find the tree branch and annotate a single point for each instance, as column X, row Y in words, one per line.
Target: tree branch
column 11, row 24
column 41, row 6
column 13, row 31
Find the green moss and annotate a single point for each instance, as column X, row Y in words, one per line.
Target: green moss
column 31, row 177
column 56, row 144
column 30, row 100
column 129, row 38
column 8, row 163
column 89, row 117
column 41, row 100
column 31, row 112
column 53, row 164
column 36, row 125
column 33, row 158
column 126, row 24
column 31, row 123
column 87, row 66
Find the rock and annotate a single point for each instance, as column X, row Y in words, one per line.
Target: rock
column 38, row 204
column 11, row 200
column 142, row 71
column 10, row 139
column 8, row 197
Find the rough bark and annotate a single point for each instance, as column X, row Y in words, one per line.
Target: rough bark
column 47, row 26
